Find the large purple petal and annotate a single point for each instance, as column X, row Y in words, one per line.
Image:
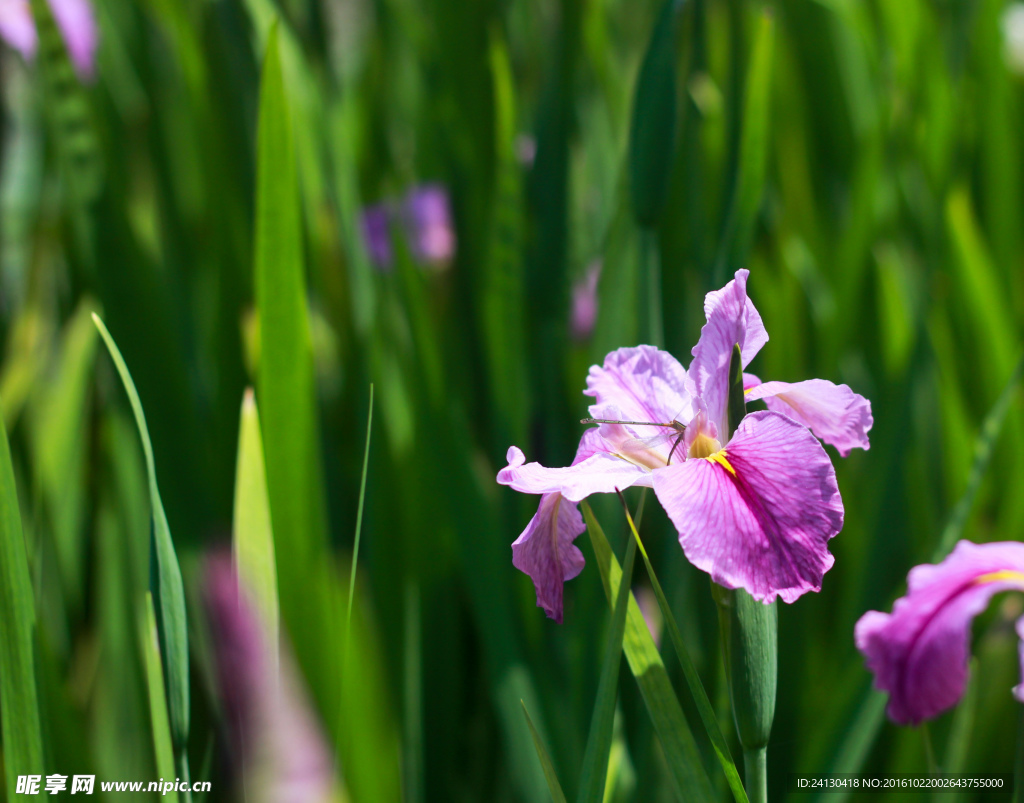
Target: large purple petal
column 599, row 473
column 731, row 319
column 644, row 383
column 919, row 652
column 759, row 514
column 546, row 552
column 833, row 412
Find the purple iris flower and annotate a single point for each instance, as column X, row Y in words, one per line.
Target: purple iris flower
column 75, row 19
column 584, row 303
column 918, row 653
column 428, row 219
column 375, row 222
column 755, row 511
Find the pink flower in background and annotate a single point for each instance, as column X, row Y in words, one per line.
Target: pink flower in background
column 919, row 652
column 428, row 220
column 278, row 746
column 755, row 510
column 74, row 18
column 584, row 303
column 375, row 223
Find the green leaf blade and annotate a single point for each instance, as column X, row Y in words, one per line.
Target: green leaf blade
column 253, row 537
column 19, row 706
column 681, row 753
column 165, row 574
column 599, row 742
column 557, row 795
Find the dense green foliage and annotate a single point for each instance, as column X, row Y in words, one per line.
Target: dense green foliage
column 862, row 158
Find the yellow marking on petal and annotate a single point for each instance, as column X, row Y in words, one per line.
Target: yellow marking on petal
column 995, row 577
column 748, row 390
column 721, row 458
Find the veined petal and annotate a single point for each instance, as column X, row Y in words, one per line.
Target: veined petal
column 731, row 319
column 758, row 514
column 644, row 383
column 599, row 473
column 919, row 652
column 833, row 412
column 546, row 552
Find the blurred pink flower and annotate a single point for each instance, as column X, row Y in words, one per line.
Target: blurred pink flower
column 584, row 303
column 277, row 744
column 77, row 24
column 429, row 226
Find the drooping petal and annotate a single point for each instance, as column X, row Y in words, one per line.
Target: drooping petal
column 919, row 652
column 644, row 383
column 731, row 319
column 599, row 473
column 17, row 27
column 759, row 514
column 833, row 412
column 77, row 24
column 545, row 551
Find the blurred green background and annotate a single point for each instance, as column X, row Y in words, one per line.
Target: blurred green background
column 862, row 158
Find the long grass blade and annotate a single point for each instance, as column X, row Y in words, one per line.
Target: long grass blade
column 19, row 706
column 165, row 577
column 253, row 537
column 681, row 753
column 983, row 446
column 557, row 795
column 162, row 741
column 700, row 697
column 599, row 742
column 359, row 517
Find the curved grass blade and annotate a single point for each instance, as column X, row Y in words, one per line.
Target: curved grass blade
column 700, row 697
column 557, row 795
column 983, row 446
column 19, row 706
column 359, row 519
column 162, row 742
column 681, row 753
column 253, row 537
column 165, row 578
column 599, row 742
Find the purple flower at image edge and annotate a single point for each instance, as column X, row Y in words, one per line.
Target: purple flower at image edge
column 428, row 220
column 375, row 224
column 77, row 24
column 919, row 652
column 755, row 510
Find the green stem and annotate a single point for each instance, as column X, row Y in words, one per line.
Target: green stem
column 755, row 765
